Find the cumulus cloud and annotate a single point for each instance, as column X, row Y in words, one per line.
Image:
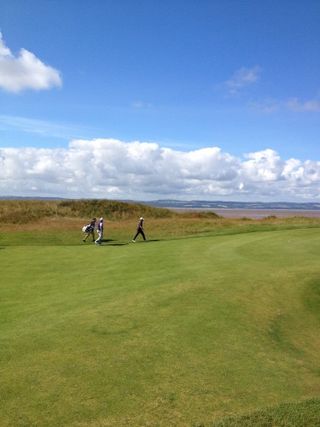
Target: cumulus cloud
column 110, row 168
column 25, row 71
column 242, row 78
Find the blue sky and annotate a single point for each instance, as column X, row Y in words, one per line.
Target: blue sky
column 184, row 76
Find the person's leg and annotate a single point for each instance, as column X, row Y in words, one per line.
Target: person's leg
column 99, row 239
column 143, row 235
column 136, row 235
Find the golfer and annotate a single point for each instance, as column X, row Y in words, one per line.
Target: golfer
column 139, row 230
column 100, row 232
column 89, row 229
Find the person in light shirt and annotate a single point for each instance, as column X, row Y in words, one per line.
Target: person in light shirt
column 100, row 232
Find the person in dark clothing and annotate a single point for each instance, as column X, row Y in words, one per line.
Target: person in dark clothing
column 139, row 230
column 89, row 229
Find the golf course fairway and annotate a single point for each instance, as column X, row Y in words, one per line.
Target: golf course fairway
column 177, row 332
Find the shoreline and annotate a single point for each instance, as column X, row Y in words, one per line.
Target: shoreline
column 254, row 213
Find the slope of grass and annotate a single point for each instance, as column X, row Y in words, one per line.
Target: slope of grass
column 300, row 414
column 165, row 333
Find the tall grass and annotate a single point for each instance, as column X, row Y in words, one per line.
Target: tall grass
column 113, row 210
column 26, row 211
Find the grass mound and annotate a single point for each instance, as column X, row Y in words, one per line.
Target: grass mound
column 113, row 210
column 27, row 211
column 301, row 414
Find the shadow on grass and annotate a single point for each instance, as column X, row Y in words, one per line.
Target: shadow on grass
column 117, row 244
column 112, row 242
column 311, row 297
column 150, row 240
column 305, row 413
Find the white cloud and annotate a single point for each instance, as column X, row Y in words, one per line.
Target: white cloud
column 311, row 105
column 25, row 71
column 262, row 166
column 242, row 78
column 43, row 127
column 266, row 106
column 109, row 168
column 292, row 104
column 141, row 105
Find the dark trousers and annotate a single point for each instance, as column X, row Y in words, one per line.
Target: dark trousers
column 91, row 233
column 139, row 231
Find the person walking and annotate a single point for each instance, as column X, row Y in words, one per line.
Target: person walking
column 89, row 230
column 100, row 232
column 140, row 230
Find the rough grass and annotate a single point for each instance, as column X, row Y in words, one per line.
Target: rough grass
column 26, row 211
column 60, row 222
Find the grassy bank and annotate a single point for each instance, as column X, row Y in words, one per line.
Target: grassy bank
column 28, row 211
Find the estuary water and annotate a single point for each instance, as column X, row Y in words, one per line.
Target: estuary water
column 255, row 213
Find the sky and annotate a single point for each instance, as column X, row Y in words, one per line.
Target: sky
column 160, row 99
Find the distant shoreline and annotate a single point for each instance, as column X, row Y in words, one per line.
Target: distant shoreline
column 253, row 213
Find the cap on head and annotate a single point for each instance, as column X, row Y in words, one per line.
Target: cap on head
column 101, row 219
column 141, row 218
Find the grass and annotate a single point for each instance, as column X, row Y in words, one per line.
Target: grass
column 26, row 211
column 302, row 414
column 210, row 323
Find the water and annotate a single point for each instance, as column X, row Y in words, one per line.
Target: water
column 255, row 213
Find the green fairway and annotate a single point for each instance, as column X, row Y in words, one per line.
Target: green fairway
column 178, row 332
